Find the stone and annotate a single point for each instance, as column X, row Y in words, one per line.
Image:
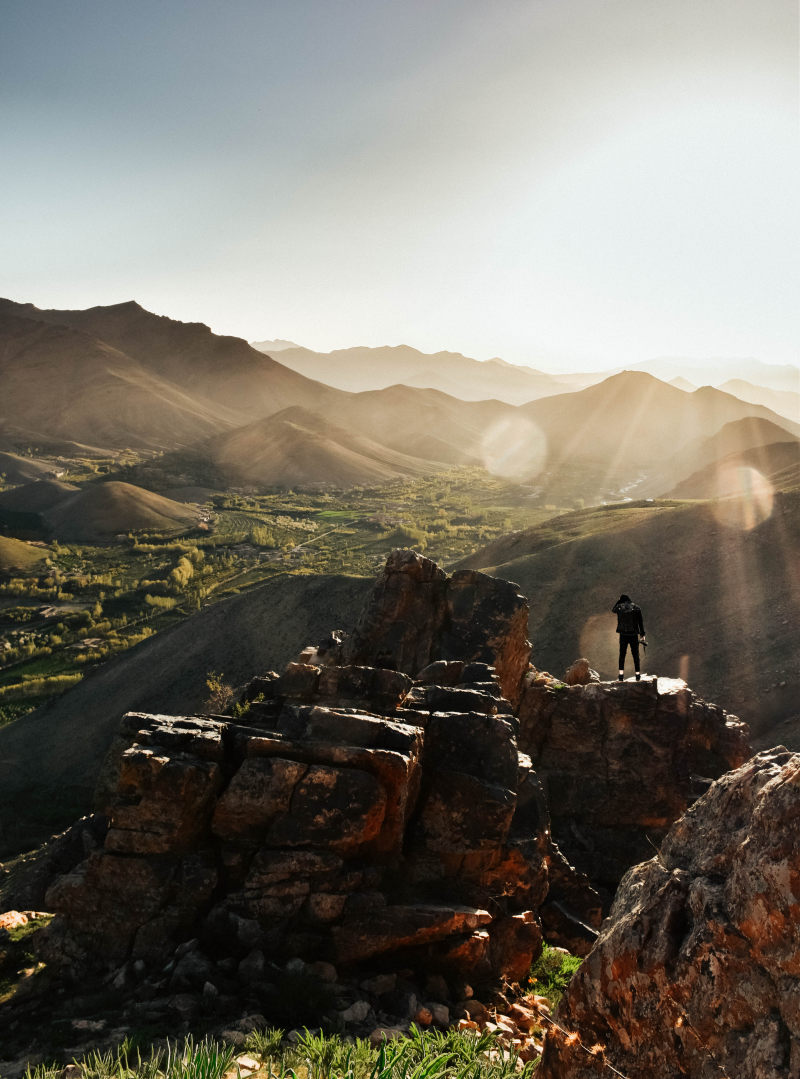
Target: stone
column 380, row 984
column 394, row 927
column 259, row 792
column 515, row 941
column 580, row 674
column 339, row 808
column 356, row 1013
column 697, row 967
column 251, row 968
column 417, row 615
column 191, row 971
column 386, row 1034
column 440, row 1013
column 473, row 1009
column 436, row 988
column 164, row 802
column 233, row 1037
column 324, row 972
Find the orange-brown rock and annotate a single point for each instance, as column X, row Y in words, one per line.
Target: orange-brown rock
column 697, row 969
column 417, row 614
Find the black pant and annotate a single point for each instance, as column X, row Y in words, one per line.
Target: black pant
column 627, row 640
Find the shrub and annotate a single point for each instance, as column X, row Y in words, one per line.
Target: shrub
column 551, row 973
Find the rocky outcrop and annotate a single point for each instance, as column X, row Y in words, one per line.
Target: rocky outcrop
column 383, row 805
column 697, row 970
column 321, row 832
column 620, row 762
column 580, row 673
column 417, row 614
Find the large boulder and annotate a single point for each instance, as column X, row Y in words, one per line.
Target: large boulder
column 417, row 614
column 697, row 969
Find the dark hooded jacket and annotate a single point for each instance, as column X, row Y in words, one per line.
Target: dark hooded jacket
column 629, row 616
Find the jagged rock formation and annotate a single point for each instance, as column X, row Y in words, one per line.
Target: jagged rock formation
column 418, row 614
column 697, row 970
column 371, row 807
column 351, row 814
column 620, row 762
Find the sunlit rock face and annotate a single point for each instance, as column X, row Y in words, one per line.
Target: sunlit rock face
column 621, row 761
column 697, row 969
column 417, row 614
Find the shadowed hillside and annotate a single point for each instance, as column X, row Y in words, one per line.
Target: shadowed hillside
column 35, row 497
column 49, row 759
column 784, row 402
column 60, row 383
column 102, row 510
column 721, row 601
column 760, row 470
column 221, row 374
column 22, row 469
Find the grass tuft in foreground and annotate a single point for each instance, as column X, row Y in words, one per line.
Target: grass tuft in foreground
column 428, row 1054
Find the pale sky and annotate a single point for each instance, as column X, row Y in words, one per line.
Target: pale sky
column 557, row 182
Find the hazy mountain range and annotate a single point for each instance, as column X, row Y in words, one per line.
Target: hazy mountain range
column 120, row 376
column 362, row 368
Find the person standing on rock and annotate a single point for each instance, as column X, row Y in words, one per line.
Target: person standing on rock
column 630, row 627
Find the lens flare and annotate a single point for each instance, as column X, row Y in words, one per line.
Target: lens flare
column 746, row 498
column 600, row 643
column 514, row 448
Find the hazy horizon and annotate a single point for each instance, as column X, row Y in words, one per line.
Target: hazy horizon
column 566, row 185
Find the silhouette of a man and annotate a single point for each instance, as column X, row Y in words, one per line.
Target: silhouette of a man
column 630, row 627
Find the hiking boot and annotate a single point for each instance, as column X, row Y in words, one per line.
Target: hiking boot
column 638, row 678
column 620, row 679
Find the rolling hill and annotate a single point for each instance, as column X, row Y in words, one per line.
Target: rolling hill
column 50, row 759
column 761, row 469
column 721, row 603
column 18, row 469
column 99, row 511
column 35, row 497
column 358, row 369
column 300, row 447
column 14, row 554
column 427, row 424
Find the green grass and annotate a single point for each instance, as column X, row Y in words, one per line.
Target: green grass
column 428, row 1054
column 445, row 516
column 551, row 973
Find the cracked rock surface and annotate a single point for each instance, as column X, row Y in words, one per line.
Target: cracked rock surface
column 697, row 970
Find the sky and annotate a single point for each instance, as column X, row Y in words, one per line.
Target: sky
column 564, row 183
